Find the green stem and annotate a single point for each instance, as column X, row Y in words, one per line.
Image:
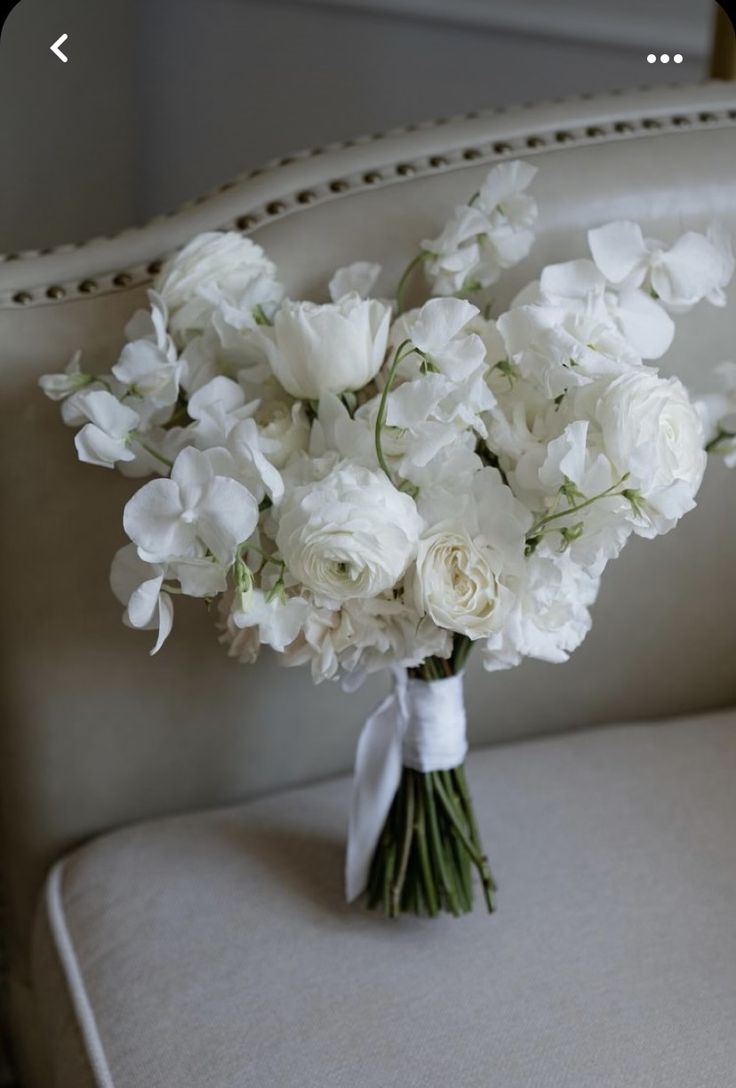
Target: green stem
column 544, row 521
column 420, row 829
column 399, row 355
column 438, row 847
column 149, row 449
column 398, row 886
column 721, row 436
column 405, row 277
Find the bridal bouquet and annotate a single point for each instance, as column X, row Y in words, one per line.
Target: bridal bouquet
column 365, row 487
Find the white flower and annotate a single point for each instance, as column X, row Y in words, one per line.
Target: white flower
column 550, row 616
column 437, row 331
column 151, row 377
column 492, row 233
column 653, row 436
column 697, row 266
column 107, row 438
column 332, row 348
column 194, row 511
column 350, row 534
column 579, row 287
column 718, row 412
column 470, row 557
column 217, row 273
column 138, row 585
column 559, row 348
column 278, row 622
column 60, row 386
column 284, row 429
column 358, row 278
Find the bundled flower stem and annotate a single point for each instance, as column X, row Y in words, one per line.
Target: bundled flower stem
column 430, row 844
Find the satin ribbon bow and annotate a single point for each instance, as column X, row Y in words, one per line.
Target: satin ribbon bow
column 421, row 724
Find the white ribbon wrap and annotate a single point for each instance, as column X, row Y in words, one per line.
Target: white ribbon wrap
column 421, row 724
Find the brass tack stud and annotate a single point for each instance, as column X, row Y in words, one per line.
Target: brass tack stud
column 123, row 279
column 502, row 148
column 306, row 197
column 535, row 141
column 154, row 268
column 371, row 177
column 245, row 222
column 471, row 153
column 623, row 126
column 22, row 298
column 338, row 186
column 595, row 130
column 275, row 207
column 438, row 160
column 55, row 292
column 564, row 137
column 405, row 169
column 87, row 287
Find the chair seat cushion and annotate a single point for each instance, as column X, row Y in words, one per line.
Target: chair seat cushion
column 214, row 950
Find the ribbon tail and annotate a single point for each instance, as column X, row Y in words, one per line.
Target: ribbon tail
column 375, row 782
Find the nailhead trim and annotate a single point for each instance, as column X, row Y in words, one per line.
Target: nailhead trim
column 388, row 174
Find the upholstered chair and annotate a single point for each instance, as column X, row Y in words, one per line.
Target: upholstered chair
column 173, row 828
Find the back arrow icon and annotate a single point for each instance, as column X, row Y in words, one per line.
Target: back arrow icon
column 55, row 48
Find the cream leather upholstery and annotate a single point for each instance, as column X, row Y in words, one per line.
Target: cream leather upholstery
column 97, row 735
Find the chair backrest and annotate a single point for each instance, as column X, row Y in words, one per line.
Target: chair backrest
column 95, row 733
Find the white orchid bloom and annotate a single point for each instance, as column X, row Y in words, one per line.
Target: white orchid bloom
column 358, row 278
column 106, row 439
column 193, row 512
column 139, row 586
column 697, row 266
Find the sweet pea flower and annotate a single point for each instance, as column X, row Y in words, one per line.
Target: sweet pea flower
column 695, row 267
column 106, row 438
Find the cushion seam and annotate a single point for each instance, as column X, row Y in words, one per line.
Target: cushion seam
column 72, row 972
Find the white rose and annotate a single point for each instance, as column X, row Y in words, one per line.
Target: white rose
column 350, row 534
column 456, row 582
column 652, row 433
column 317, row 349
column 216, row 273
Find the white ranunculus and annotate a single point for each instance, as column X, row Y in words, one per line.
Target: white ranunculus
column 217, row 272
column 471, row 556
column 651, row 433
column 332, row 348
column 456, row 582
column 350, row 534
